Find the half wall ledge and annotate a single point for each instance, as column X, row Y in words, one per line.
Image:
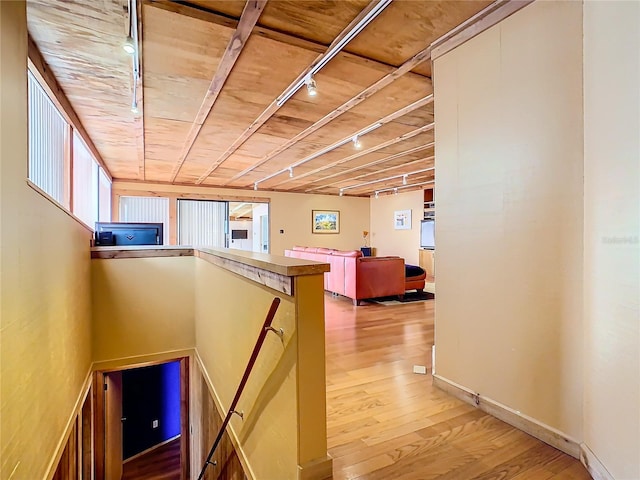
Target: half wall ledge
column 272, row 271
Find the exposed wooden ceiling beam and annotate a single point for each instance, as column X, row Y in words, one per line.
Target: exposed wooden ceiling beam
column 375, row 148
column 48, row 81
column 273, row 106
column 389, row 118
column 328, row 186
column 250, row 15
column 419, row 148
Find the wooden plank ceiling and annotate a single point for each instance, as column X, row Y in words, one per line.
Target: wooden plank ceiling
column 213, row 69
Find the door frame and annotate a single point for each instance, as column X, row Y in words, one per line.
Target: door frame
column 99, row 418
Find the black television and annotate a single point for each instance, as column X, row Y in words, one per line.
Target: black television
column 427, row 234
column 127, row 233
column 239, row 234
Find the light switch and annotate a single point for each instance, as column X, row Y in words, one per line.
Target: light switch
column 155, row 424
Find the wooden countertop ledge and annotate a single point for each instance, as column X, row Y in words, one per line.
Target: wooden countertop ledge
column 286, row 266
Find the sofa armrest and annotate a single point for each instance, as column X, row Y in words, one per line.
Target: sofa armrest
column 375, row 277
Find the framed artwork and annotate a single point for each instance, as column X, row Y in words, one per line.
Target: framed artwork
column 402, row 219
column 325, row 221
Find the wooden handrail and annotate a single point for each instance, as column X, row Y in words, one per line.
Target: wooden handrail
column 247, row 371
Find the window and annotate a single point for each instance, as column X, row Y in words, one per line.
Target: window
column 146, row 210
column 48, row 138
column 202, row 222
column 56, row 150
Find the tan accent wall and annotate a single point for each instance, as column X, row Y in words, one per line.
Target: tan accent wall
column 284, row 425
column 509, row 149
column 229, row 314
column 611, row 231
column 142, row 306
column 45, row 344
column 384, row 237
column 290, row 212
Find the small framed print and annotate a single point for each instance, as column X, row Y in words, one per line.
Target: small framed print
column 325, row 221
column 402, row 219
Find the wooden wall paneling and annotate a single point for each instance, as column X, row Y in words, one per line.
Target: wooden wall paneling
column 185, row 440
column 86, row 416
column 68, row 465
column 250, row 15
column 173, row 220
column 98, row 422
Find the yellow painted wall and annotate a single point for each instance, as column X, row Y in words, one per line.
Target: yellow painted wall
column 384, row 238
column 142, row 306
column 509, row 149
column 229, row 314
column 45, row 345
column 611, row 231
column 290, row 212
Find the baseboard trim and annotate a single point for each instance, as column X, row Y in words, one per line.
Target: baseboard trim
column 593, row 465
column 150, row 449
column 533, row 427
column 318, row 469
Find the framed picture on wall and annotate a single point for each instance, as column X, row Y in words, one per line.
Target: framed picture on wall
column 402, row 219
column 325, row 221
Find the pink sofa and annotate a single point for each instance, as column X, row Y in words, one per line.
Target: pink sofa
column 354, row 275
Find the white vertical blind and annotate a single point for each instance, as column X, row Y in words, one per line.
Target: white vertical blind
column 202, row 222
column 47, row 138
column 85, row 183
column 104, row 197
column 146, row 210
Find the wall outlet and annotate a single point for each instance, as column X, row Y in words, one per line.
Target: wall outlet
column 154, row 424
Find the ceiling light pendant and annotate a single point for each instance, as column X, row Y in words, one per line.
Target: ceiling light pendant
column 312, row 87
column 128, row 46
column 290, row 172
column 356, row 142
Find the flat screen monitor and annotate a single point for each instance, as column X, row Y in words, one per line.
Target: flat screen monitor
column 126, row 233
column 239, row 234
column 427, row 234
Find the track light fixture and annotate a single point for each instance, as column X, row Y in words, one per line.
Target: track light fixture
column 134, row 106
column 290, row 172
column 255, row 186
column 128, row 46
column 404, row 179
column 356, row 142
column 334, row 49
column 312, row 86
column 376, row 194
column 341, row 191
column 395, row 191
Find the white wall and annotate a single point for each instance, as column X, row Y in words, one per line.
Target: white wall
column 244, row 244
column 611, row 231
column 384, row 237
column 259, row 210
column 509, row 142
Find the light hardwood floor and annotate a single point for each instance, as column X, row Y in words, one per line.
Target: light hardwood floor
column 162, row 463
column 385, row 422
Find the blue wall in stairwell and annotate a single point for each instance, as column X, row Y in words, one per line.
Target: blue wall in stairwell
column 148, row 394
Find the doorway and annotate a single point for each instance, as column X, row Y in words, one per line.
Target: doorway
column 142, row 421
